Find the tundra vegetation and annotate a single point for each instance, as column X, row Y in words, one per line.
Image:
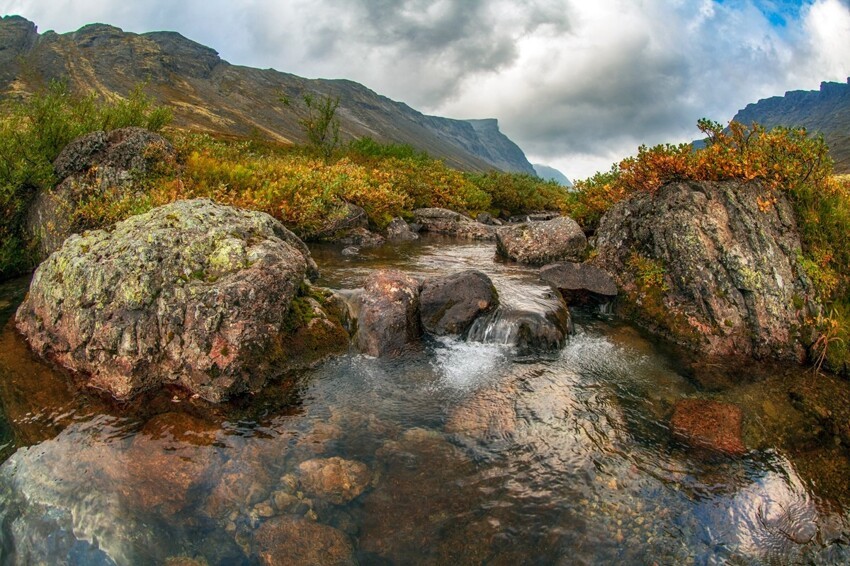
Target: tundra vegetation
column 303, row 186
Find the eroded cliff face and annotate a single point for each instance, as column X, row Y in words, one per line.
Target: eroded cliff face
column 208, row 93
column 708, row 265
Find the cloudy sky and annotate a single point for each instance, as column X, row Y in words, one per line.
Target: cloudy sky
column 578, row 84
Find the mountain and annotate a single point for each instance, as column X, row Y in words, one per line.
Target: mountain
column 209, row 94
column 826, row 111
column 551, row 174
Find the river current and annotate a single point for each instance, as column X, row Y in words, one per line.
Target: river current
column 473, row 453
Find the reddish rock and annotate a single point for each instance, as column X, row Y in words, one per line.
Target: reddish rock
column 334, row 479
column 289, row 541
column 702, row 423
column 450, row 223
column 389, row 313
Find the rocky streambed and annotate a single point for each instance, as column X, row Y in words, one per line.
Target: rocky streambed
column 462, row 447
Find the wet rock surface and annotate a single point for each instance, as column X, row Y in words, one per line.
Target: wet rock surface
column 334, row 479
column 96, row 164
column 388, row 314
column 450, row 304
column 707, row 424
column 539, row 243
column 706, row 265
column 580, row 283
column 191, row 294
column 825, row 398
column 290, row 540
column 450, row 223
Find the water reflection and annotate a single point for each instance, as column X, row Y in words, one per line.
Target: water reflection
column 458, row 452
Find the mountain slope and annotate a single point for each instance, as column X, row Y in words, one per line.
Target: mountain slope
column 208, row 93
column 826, row 111
column 551, row 174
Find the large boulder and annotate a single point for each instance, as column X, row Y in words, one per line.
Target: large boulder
column 192, row 293
column 450, row 303
column 98, row 164
column 539, row 243
column 711, row 266
column 338, row 224
column 388, row 313
column 580, row 283
column 450, row 223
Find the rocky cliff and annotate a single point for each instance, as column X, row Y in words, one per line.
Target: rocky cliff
column 826, row 111
column 208, row 93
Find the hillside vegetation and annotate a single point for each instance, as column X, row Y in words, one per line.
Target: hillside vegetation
column 299, row 184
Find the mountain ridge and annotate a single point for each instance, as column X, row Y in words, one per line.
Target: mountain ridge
column 825, row 111
column 208, row 93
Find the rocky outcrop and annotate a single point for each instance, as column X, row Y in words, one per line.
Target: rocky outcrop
column 388, row 314
column 707, row 424
column 98, row 164
column 192, row 294
column 398, row 229
column 711, row 266
column 539, row 243
column 580, row 283
column 450, row 223
column 449, row 304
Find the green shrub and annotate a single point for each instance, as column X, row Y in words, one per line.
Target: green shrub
column 33, row 132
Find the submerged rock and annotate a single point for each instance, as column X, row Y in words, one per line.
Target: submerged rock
column 192, row 294
column 289, row 540
column 334, row 479
column 709, row 265
column 580, row 283
column 538, row 243
column 713, row 425
column 96, row 164
column 450, row 223
column 450, row 303
column 388, row 313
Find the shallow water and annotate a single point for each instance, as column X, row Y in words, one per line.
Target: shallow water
column 474, row 454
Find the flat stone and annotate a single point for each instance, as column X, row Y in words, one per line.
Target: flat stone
column 713, row 425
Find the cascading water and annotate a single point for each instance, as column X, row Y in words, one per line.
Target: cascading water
column 453, row 453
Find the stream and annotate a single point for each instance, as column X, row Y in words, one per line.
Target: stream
column 466, row 453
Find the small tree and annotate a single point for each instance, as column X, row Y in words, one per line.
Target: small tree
column 321, row 124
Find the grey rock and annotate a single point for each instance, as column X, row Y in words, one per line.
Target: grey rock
column 362, row 238
column 580, row 283
column 340, row 224
column 449, row 304
column 539, row 243
column 398, row 229
column 732, row 283
column 192, row 294
column 487, row 218
column 388, row 317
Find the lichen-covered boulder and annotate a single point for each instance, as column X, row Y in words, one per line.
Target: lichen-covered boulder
column 580, row 283
column 539, row 243
column 103, row 164
column 388, row 313
column 450, row 223
column 450, row 303
column 192, row 293
column 711, row 266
